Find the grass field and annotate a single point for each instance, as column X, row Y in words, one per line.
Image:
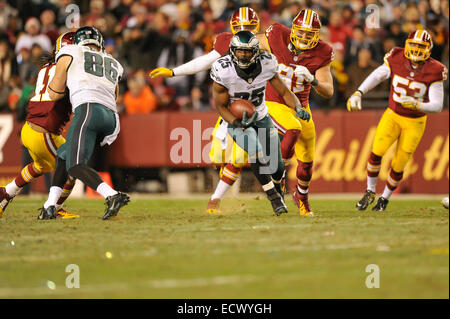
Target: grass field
column 169, row 248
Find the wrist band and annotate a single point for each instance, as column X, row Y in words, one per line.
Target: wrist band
column 56, row 91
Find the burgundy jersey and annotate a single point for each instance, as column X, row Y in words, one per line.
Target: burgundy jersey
column 42, row 111
column 407, row 81
column 222, row 42
column 278, row 37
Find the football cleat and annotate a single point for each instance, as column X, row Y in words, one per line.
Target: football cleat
column 366, row 200
column 5, row 199
column 64, row 214
column 301, row 200
column 49, row 213
column 381, row 204
column 114, row 203
column 278, row 205
column 213, row 206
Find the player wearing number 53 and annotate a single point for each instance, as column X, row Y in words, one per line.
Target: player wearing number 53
column 416, row 89
column 92, row 77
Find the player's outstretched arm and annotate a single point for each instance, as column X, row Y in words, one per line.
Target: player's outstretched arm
column 289, row 98
column 380, row 74
column 57, row 87
column 201, row 63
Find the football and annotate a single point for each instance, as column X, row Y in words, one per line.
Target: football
column 238, row 107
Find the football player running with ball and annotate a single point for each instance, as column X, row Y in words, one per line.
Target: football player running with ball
column 41, row 135
column 243, row 73
column 92, row 77
column 224, row 151
column 304, row 62
column 416, row 89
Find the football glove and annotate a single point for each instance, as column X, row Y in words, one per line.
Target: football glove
column 164, row 72
column 245, row 122
column 409, row 102
column 302, row 113
column 302, row 72
column 354, row 102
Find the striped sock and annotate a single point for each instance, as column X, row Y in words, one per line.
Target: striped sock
column 26, row 176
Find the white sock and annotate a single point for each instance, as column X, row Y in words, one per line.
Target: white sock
column 371, row 183
column 53, row 196
column 12, row 189
column 221, row 189
column 387, row 192
column 105, row 190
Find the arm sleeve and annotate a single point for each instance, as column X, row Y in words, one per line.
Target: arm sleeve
column 436, row 97
column 202, row 63
column 379, row 75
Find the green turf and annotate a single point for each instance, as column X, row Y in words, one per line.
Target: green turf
column 165, row 248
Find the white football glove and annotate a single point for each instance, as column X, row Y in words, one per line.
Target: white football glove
column 354, row 102
column 303, row 72
column 409, row 102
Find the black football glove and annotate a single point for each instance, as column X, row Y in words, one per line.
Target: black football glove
column 302, row 113
column 245, row 122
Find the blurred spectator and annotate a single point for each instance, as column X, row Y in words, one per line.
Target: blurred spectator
column 99, row 18
column 48, row 25
column 12, row 30
column 389, row 44
column 32, row 36
column 359, row 71
column 358, row 42
column 348, row 17
column 373, row 38
column 290, row 12
column 167, row 100
column 338, row 32
column 197, row 101
column 8, row 67
column 139, row 99
column 177, row 53
column 396, row 33
column 412, row 22
column 5, row 12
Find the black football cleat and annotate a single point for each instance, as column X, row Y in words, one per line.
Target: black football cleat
column 49, row 213
column 278, row 205
column 366, row 200
column 381, row 204
column 114, row 203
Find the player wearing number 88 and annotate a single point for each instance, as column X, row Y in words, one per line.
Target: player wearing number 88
column 92, row 77
column 416, row 89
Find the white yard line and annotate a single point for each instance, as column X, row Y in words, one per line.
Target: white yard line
column 170, row 283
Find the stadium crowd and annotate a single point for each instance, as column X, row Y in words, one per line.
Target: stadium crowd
column 149, row 33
